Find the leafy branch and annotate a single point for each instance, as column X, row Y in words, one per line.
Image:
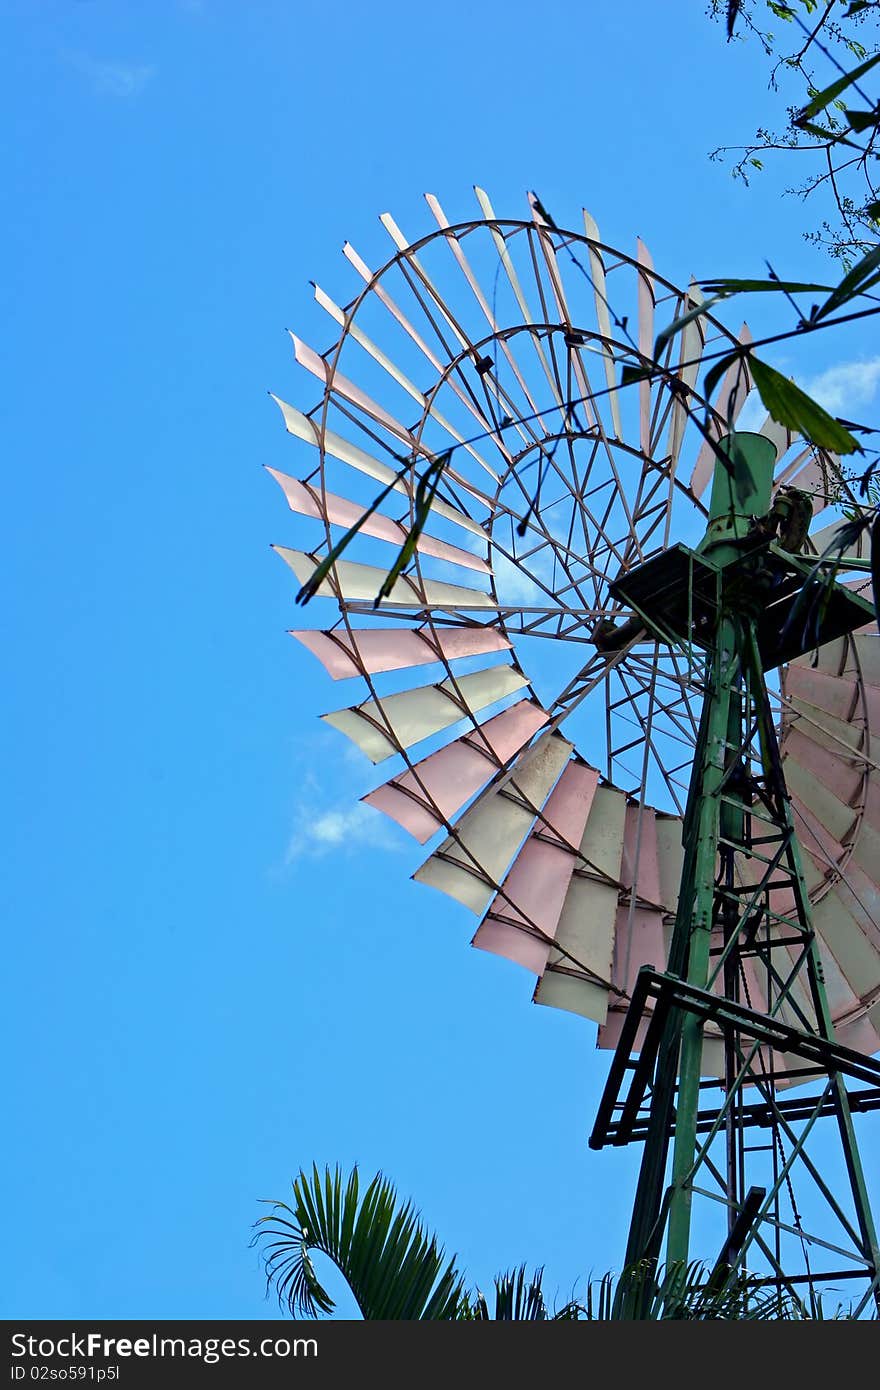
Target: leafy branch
column 842, row 148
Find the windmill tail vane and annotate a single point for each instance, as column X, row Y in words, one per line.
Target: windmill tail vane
column 606, row 697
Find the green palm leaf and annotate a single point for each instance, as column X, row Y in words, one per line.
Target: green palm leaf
column 520, row 1299
column 393, row 1266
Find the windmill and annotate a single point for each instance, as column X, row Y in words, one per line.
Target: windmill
column 598, row 687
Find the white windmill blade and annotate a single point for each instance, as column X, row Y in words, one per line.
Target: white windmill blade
column 467, row 402
column 801, row 461
column 603, row 318
column 818, row 475
column 851, row 959
column 470, row 863
column 845, row 737
column 646, row 302
column 464, row 340
column 519, row 294
column 692, row 339
column 381, row 728
column 335, row 446
column 400, row 377
column 846, row 919
column 346, row 652
column 732, row 394
column 859, row 549
column 855, row 658
column 639, row 937
column 423, row 799
column 465, row 267
column 780, row 437
column 849, row 775
column 577, row 973
column 308, row 500
column 372, row 280
column 558, row 288
column 314, row 363
column 357, row 583
column 522, row 918
column 415, row 262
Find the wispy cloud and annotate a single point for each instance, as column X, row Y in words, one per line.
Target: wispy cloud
column 113, row 79
column 342, row 828
column 513, row 584
column 843, row 388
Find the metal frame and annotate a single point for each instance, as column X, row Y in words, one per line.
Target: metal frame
column 742, row 884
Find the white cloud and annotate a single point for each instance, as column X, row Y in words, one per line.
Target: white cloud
column 337, row 828
column 512, row 583
column 842, row 389
column 112, row 78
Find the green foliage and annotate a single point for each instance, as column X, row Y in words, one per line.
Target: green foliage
column 824, row 98
column 393, row 1267
column 813, row 53
column 518, row 1298
column 798, row 412
column 397, row 1270
column 426, row 491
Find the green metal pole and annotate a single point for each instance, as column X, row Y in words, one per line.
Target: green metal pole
column 740, row 493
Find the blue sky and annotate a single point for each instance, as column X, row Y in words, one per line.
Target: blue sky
column 205, row 989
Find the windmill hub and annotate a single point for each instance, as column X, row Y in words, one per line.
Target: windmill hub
column 738, row 567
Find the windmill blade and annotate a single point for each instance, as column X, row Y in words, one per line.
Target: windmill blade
column 470, row 863
column 356, row 583
column 692, row 339
column 314, row 363
column 464, row 265
column 401, row 318
column 368, row 651
column 516, row 286
column 845, row 737
column 396, row 374
column 786, row 474
column 851, row 959
column 577, row 973
column 381, row 728
column 646, row 303
column 639, row 928
column 336, row 447
column 523, row 916
column 561, row 302
column 815, row 472
column 732, row 395
column 603, row 318
column 859, row 549
column 339, row 511
column 849, row 778
column 855, row 658
column 780, row 437
column 423, row 799
column 464, row 340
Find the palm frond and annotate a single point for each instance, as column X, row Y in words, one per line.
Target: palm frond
column 393, row 1266
column 519, row 1298
column 685, row 1292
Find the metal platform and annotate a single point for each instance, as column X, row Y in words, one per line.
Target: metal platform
column 679, row 593
column 624, row 1122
